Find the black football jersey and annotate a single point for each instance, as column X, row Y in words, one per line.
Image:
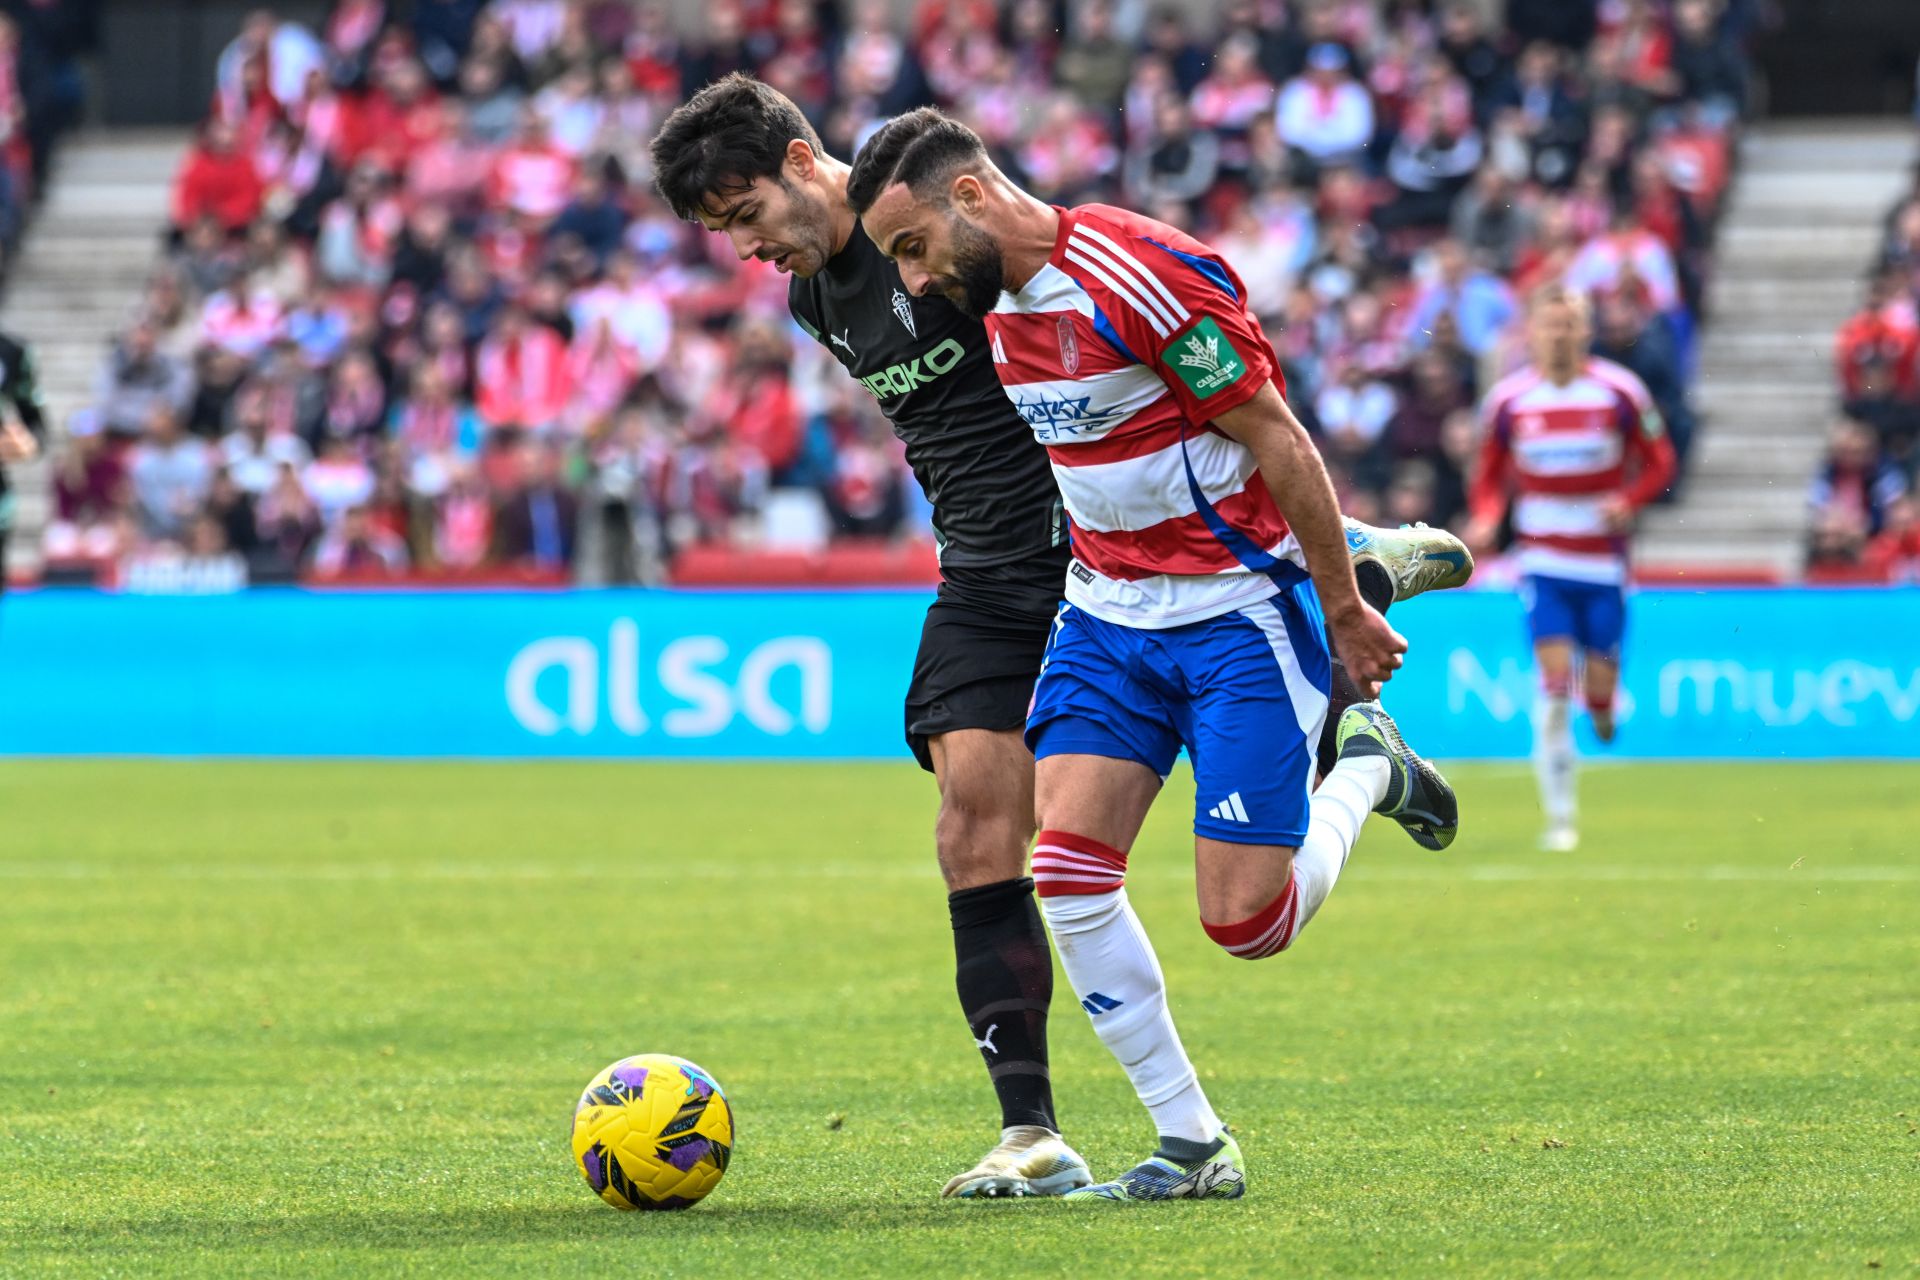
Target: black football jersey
column 991, row 486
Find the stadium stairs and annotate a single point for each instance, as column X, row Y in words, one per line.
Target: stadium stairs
column 1803, row 221
column 87, row 254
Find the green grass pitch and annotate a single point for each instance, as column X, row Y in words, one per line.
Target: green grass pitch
column 331, row 1019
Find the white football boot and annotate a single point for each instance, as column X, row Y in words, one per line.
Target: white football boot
column 1030, row 1161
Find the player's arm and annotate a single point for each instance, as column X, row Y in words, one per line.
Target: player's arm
column 1200, row 340
column 1487, row 492
column 1296, row 476
column 1650, row 450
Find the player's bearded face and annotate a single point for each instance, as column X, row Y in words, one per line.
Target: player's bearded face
column 978, row 270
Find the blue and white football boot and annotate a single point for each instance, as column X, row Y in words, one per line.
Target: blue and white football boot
column 1179, row 1170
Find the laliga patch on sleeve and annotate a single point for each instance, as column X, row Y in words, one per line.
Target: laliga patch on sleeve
column 1205, row 360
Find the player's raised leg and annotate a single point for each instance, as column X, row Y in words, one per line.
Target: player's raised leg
column 1003, row 970
column 1600, row 681
column 1602, row 631
column 1256, row 898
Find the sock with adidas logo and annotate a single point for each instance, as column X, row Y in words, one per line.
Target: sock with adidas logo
column 1116, row 975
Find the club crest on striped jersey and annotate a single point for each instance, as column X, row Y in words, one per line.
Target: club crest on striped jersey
column 904, row 310
column 1069, row 346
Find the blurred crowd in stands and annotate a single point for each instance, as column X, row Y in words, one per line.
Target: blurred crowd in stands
column 422, row 313
column 41, row 95
column 1864, row 518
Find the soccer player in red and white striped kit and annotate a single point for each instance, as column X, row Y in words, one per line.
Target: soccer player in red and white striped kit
column 1576, row 446
column 1209, row 568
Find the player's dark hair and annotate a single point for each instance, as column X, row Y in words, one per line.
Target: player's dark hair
column 923, row 149
column 723, row 138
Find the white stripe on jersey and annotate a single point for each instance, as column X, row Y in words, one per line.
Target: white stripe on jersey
column 1169, row 600
column 1180, row 313
column 1566, row 515
column 1138, row 493
column 1568, row 453
column 1128, row 293
column 1054, row 410
column 1051, row 289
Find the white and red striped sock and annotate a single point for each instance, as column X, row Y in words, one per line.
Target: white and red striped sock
column 1066, row 864
column 1111, row 965
column 1336, row 813
column 1266, row 932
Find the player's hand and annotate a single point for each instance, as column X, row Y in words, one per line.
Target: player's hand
column 1617, row 514
column 17, row 443
column 1480, row 535
column 1367, row 645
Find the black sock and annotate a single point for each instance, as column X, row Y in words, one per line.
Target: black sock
column 1376, row 584
column 1376, row 588
column 1003, row 970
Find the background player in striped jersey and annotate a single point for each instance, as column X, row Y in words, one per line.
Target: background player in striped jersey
column 1209, row 568
column 1576, row 445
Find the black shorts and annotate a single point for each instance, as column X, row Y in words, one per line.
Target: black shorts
column 980, row 649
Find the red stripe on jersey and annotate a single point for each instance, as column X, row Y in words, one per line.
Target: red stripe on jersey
column 1184, row 545
column 1589, row 483
column 1148, row 432
column 1581, row 544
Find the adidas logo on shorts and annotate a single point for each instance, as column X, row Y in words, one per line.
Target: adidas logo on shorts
column 1229, row 810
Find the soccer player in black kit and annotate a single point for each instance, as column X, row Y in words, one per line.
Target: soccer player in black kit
column 741, row 159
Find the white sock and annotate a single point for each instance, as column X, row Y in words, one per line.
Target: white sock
column 1336, row 813
column 1113, row 970
column 1554, row 762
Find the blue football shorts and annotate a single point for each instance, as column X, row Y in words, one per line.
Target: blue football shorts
column 1593, row 615
column 1245, row 693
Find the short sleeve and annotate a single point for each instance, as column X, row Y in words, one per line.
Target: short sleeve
column 1639, row 416
column 1181, row 313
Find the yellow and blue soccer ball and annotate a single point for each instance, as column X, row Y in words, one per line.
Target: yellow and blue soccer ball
column 653, row 1132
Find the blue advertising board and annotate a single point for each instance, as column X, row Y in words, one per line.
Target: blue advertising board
column 641, row 673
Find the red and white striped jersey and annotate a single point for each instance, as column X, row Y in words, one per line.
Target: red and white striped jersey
column 1560, row 452
column 1133, row 335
